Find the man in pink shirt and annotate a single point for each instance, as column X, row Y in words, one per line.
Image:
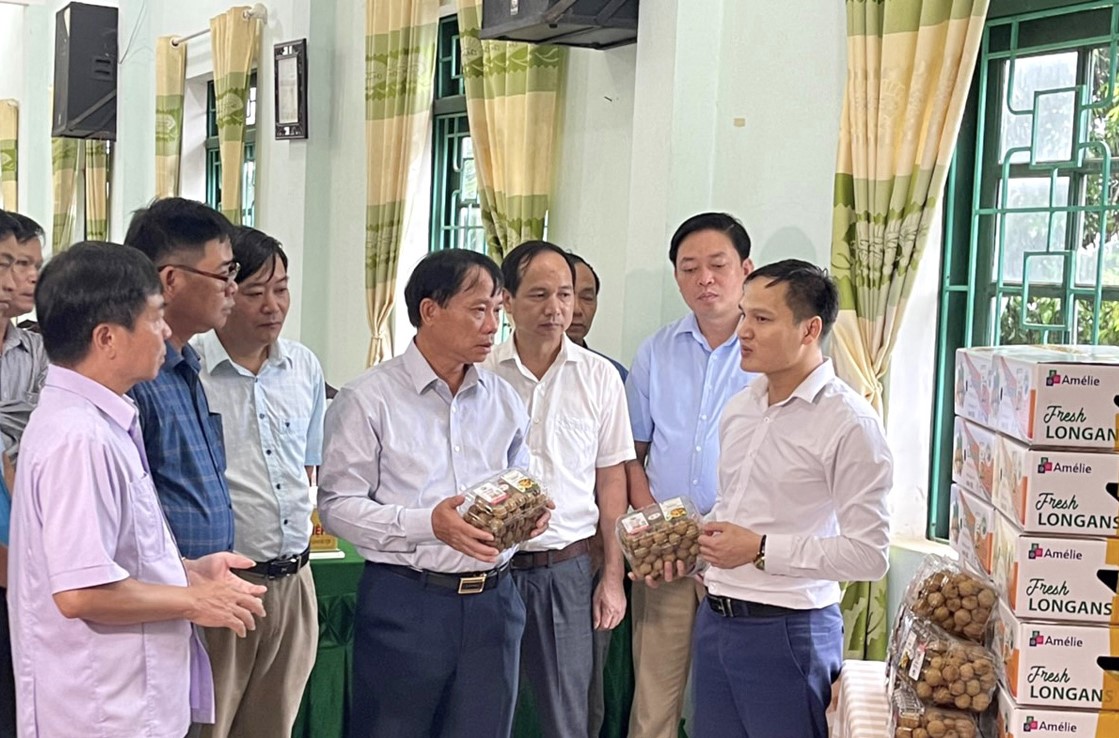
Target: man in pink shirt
column 101, row 601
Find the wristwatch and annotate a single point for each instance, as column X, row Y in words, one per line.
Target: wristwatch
column 759, row 560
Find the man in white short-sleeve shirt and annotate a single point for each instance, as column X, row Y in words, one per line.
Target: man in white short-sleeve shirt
column 579, row 439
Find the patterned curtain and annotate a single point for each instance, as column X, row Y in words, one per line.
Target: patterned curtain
column 511, row 101
column 97, row 177
column 235, row 39
column 909, row 67
column 170, row 82
column 9, row 154
column 64, row 168
column 400, row 38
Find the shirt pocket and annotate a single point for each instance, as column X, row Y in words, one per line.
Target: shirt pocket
column 293, row 427
column 576, row 442
column 150, row 529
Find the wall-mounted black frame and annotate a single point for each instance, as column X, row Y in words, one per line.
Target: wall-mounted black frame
column 290, row 78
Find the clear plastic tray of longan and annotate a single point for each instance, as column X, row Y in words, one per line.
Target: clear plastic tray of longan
column 662, row 533
column 912, row 718
column 507, row 505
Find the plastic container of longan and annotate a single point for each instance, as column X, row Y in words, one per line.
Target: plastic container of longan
column 912, row 718
column 662, row 533
column 507, row 505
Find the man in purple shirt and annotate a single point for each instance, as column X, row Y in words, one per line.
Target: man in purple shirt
column 102, row 602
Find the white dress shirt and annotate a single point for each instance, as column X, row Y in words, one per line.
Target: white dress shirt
column 578, row 423
column 398, row 443
column 273, row 427
column 811, row 473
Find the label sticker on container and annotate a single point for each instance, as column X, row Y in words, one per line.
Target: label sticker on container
column 491, row 493
column 634, row 524
column 517, row 479
column 918, row 661
column 674, row 508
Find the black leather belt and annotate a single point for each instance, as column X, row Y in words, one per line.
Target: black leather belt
column 731, row 608
column 280, row 568
column 533, row 559
column 466, row 583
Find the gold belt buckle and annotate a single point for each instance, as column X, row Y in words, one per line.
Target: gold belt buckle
column 472, row 585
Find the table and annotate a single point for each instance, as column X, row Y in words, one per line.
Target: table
column 863, row 710
column 326, row 701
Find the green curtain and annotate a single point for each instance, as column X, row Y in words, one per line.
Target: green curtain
column 512, row 94
column 909, row 67
column 170, row 83
column 64, row 169
column 234, row 39
column 97, row 176
column 400, row 39
column 9, row 154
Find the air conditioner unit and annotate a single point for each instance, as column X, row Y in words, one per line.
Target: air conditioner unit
column 592, row 24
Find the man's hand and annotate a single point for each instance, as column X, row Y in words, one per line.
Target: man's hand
column 672, row 572
column 460, row 535
column 728, row 546
column 543, row 520
column 221, row 599
column 609, row 603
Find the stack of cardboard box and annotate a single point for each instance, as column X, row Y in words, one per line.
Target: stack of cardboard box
column 1036, row 505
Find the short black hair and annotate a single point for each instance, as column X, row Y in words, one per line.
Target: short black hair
column 724, row 223
column 8, row 225
column 443, row 274
column 27, row 228
column 254, row 249
column 515, row 263
column 580, row 260
column 809, row 291
column 174, row 224
column 90, row 283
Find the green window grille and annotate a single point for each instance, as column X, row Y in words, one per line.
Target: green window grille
column 456, row 213
column 1031, row 242
column 248, row 165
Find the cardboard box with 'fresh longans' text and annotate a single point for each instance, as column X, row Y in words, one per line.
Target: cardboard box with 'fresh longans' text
column 1017, row 721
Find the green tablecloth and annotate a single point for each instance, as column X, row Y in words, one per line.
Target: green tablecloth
column 326, row 702
column 327, row 699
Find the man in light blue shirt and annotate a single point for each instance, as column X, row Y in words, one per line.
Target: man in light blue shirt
column 271, row 396
column 437, row 631
column 679, row 382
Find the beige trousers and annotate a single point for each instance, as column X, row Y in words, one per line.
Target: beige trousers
column 259, row 679
column 662, row 653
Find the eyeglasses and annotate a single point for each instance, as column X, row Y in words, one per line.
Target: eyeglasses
column 229, row 276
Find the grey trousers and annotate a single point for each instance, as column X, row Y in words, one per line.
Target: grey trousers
column 557, row 649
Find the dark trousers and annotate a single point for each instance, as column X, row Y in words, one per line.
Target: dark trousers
column 765, row 677
column 7, row 677
column 557, row 651
column 430, row 662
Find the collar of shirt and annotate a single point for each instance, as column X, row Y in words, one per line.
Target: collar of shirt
column 808, row 390
column 118, row 408
column 213, row 354
column 187, row 356
column 16, row 337
column 690, row 326
column 506, row 353
column 423, row 376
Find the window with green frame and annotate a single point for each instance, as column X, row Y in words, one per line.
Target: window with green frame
column 1031, row 238
column 213, row 158
column 456, row 213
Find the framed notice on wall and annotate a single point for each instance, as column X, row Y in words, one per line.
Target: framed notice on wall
column 290, row 64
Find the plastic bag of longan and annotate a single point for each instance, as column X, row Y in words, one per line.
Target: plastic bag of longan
column 660, row 534
column 911, row 718
column 957, row 600
column 944, row 670
column 506, row 505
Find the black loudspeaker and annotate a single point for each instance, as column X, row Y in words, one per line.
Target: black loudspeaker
column 85, row 72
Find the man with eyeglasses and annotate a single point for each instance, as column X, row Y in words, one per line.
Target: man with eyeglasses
column 189, row 244
column 23, row 362
column 9, row 253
